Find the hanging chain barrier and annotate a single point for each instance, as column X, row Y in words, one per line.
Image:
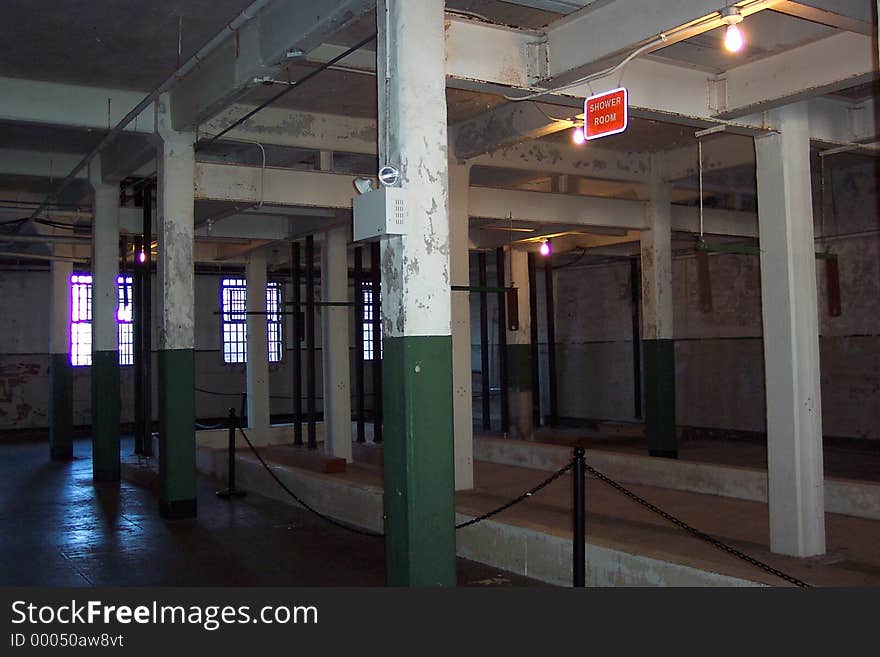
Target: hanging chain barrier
column 580, row 466
column 681, row 524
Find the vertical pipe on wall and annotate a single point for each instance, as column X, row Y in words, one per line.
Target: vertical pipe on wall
column 635, row 287
column 296, row 336
column 359, row 343
column 551, row 339
column 485, row 390
column 310, row 342
column 138, row 331
column 146, row 401
column 502, row 340
column 533, row 339
column 375, row 257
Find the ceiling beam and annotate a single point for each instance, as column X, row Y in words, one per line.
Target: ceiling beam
column 605, row 31
column 558, row 6
column 14, row 162
column 850, row 15
column 719, row 153
column 260, row 48
column 36, row 102
column 836, row 62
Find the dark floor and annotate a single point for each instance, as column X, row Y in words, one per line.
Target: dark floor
column 58, row 529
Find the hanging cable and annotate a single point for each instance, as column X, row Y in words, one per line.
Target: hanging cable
column 593, row 76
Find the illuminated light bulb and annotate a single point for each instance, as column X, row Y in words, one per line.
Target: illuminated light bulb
column 142, row 257
column 578, row 136
column 733, row 40
column 545, row 248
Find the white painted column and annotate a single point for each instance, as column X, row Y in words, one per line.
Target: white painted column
column 459, row 252
column 519, row 350
column 105, row 328
column 657, row 330
column 791, row 336
column 335, row 324
column 176, row 317
column 257, row 368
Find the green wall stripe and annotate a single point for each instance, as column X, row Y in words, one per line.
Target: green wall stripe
column 419, row 469
column 60, row 407
column 177, row 438
column 660, row 397
column 105, row 415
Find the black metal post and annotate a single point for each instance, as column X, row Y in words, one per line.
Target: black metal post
column 551, row 339
column 375, row 264
column 296, row 334
column 579, row 537
column 359, row 344
column 138, row 330
column 502, row 339
column 310, row 343
column 147, row 304
column 635, row 283
column 231, row 490
column 533, row 315
column 485, row 382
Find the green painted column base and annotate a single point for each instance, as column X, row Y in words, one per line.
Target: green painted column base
column 177, row 435
column 60, row 408
column 105, row 415
column 419, row 465
column 660, row 397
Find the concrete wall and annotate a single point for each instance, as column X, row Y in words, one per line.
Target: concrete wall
column 719, row 354
column 24, row 361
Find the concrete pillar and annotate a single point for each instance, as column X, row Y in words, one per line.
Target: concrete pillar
column 60, row 370
column 416, row 299
column 176, row 279
column 105, row 328
column 335, row 323
column 462, row 402
column 257, row 367
column 519, row 350
column 658, row 343
column 791, row 337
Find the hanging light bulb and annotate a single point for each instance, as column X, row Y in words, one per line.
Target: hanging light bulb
column 733, row 38
column 577, row 136
column 545, row 248
column 142, row 257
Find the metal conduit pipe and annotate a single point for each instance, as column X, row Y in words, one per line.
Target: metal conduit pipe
column 43, row 239
column 246, row 15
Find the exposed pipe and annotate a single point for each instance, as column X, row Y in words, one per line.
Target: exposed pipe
column 43, row 239
column 34, row 256
column 245, row 16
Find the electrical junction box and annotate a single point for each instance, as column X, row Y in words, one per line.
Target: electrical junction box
column 379, row 213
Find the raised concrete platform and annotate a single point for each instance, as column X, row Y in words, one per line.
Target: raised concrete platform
column 626, row 545
column 860, row 499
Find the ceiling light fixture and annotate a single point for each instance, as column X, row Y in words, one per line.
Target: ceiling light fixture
column 733, row 38
column 546, row 249
column 577, row 136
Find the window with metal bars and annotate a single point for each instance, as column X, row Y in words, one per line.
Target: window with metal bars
column 233, row 299
column 81, row 320
column 369, row 321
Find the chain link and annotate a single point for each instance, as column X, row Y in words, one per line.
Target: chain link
column 681, row 524
column 556, row 475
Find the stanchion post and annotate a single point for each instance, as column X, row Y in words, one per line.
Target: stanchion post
column 578, row 569
column 231, row 491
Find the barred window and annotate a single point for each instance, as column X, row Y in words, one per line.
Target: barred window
column 233, row 297
column 81, row 320
column 369, row 321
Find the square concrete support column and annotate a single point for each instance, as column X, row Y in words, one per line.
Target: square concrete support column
column 657, row 332
column 176, row 279
column 60, row 370
column 519, row 349
column 791, row 337
column 105, row 328
column 416, row 299
column 459, row 252
column 257, row 367
column 335, row 324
